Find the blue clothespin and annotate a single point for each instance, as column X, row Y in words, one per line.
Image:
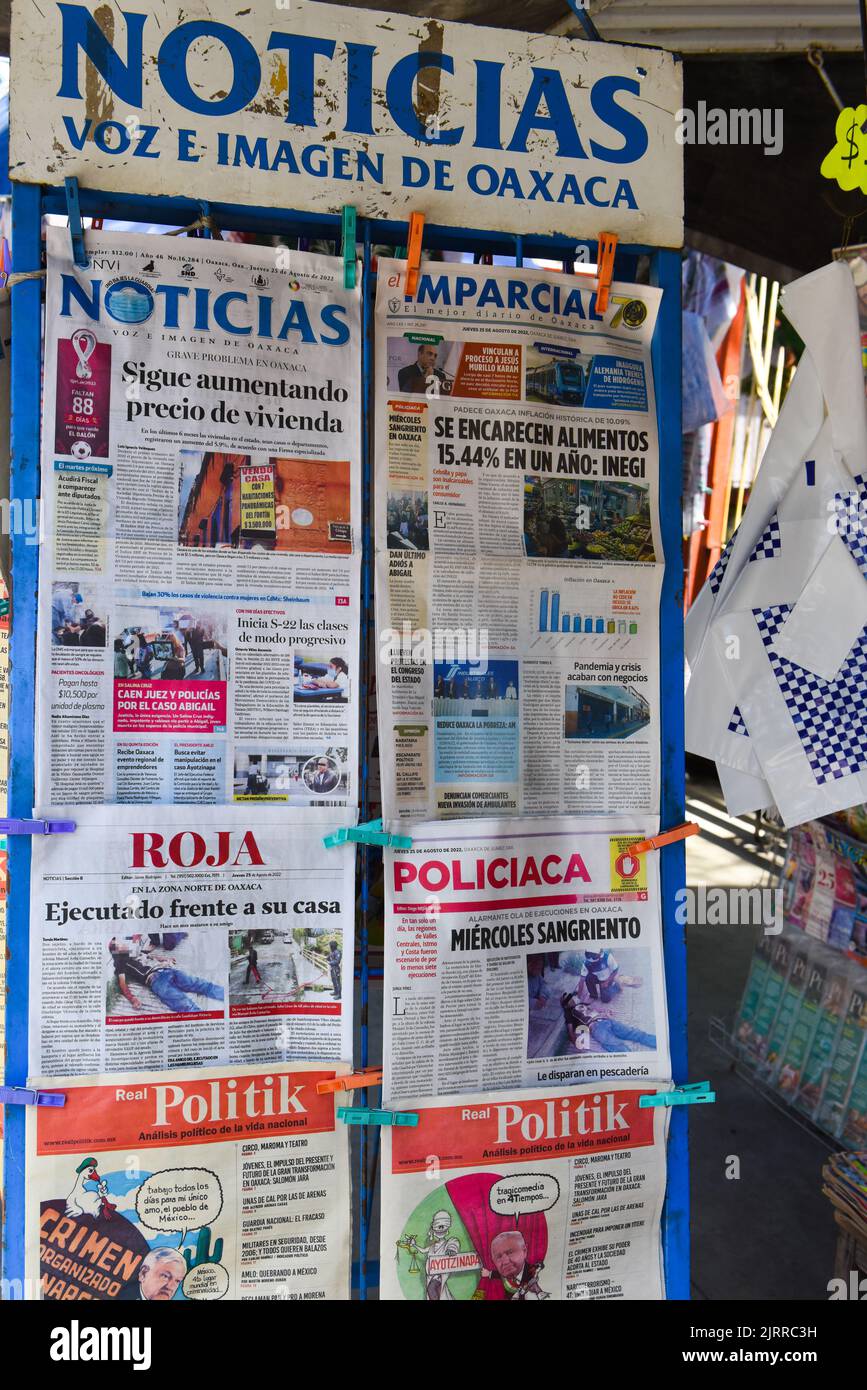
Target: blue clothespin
column 76, row 231
column 361, row 1115
column 371, row 833
column 699, row 1093
column 25, row 1095
column 347, row 245
column 35, row 827
column 205, row 214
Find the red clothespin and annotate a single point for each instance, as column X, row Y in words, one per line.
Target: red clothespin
column 368, row 1076
column 605, row 268
column 413, row 253
column 668, row 837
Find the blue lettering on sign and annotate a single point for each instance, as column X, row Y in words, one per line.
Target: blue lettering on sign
column 234, row 311
column 545, row 108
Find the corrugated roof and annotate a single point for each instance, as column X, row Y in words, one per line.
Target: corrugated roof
column 736, row 26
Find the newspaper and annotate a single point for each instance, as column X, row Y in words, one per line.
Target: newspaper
column 519, row 559
column 522, row 953
column 171, row 939
column 540, row 1194
column 189, row 1185
column 199, row 581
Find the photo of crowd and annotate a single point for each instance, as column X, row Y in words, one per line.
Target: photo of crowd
column 75, row 616
column 408, row 521
column 589, row 1002
column 170, row 644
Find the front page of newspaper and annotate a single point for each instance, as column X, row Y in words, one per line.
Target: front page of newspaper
column 199, row 581
column 180, row 1185
column 519, row 559
column 533, row 1195
column 174, row 939
column 522, row 953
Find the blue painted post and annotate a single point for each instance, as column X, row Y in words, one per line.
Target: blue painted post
column 666, row 354
column 26, row 380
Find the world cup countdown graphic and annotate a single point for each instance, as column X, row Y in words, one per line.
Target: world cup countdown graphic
column 81, row 422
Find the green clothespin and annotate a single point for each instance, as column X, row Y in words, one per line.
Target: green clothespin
column 361, row 1115
column 371, row 833
column 698, row 1093
column 347, row 242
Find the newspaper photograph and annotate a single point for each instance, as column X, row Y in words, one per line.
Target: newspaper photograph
column 189, row 1185
column 522, row 953
column 518, row 551
column 174, row 940
column 199, row 578
column 541, row 1194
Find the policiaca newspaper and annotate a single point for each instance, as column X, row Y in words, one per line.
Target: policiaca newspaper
column 189, row 940
column 522, row 953
column 199, row 578
column 519, row 560
column 538, row 1194
column 183, row 1186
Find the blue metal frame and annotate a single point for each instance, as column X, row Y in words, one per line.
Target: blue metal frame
column 29, row 203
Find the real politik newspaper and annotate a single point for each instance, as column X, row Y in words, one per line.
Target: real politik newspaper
column 189, row 1185
column 199, row 579
column 525, row 1196
column 518, row 550
column 189, row 938
column 522, row 953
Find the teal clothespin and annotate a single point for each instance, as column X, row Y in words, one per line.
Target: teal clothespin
column 76, row 231
column 371, row 833
column 698, row 1093
column 361, row 1115
column 347, row 245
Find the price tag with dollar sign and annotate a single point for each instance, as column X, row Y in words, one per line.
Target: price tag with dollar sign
column 846, row 163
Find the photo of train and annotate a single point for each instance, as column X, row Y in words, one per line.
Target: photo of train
column 558, row 382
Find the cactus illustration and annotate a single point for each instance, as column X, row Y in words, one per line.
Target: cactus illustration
column 202, row 1255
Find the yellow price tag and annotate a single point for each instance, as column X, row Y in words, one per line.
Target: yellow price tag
column 846, row 163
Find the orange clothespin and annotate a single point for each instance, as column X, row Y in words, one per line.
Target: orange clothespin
column 369, row 1076
column 605, row 268
column 668, row 837
column 413, row 252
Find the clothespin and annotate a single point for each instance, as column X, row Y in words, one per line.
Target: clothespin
column 668, row 837
column 699, row 1093
column 361, row 1115
column 76, row 231
column 347, row 245
column 35, row 827
column 25, row 1095
column 605, row 268
column 413, row 253
column 367, row 1076
column 371, row 833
